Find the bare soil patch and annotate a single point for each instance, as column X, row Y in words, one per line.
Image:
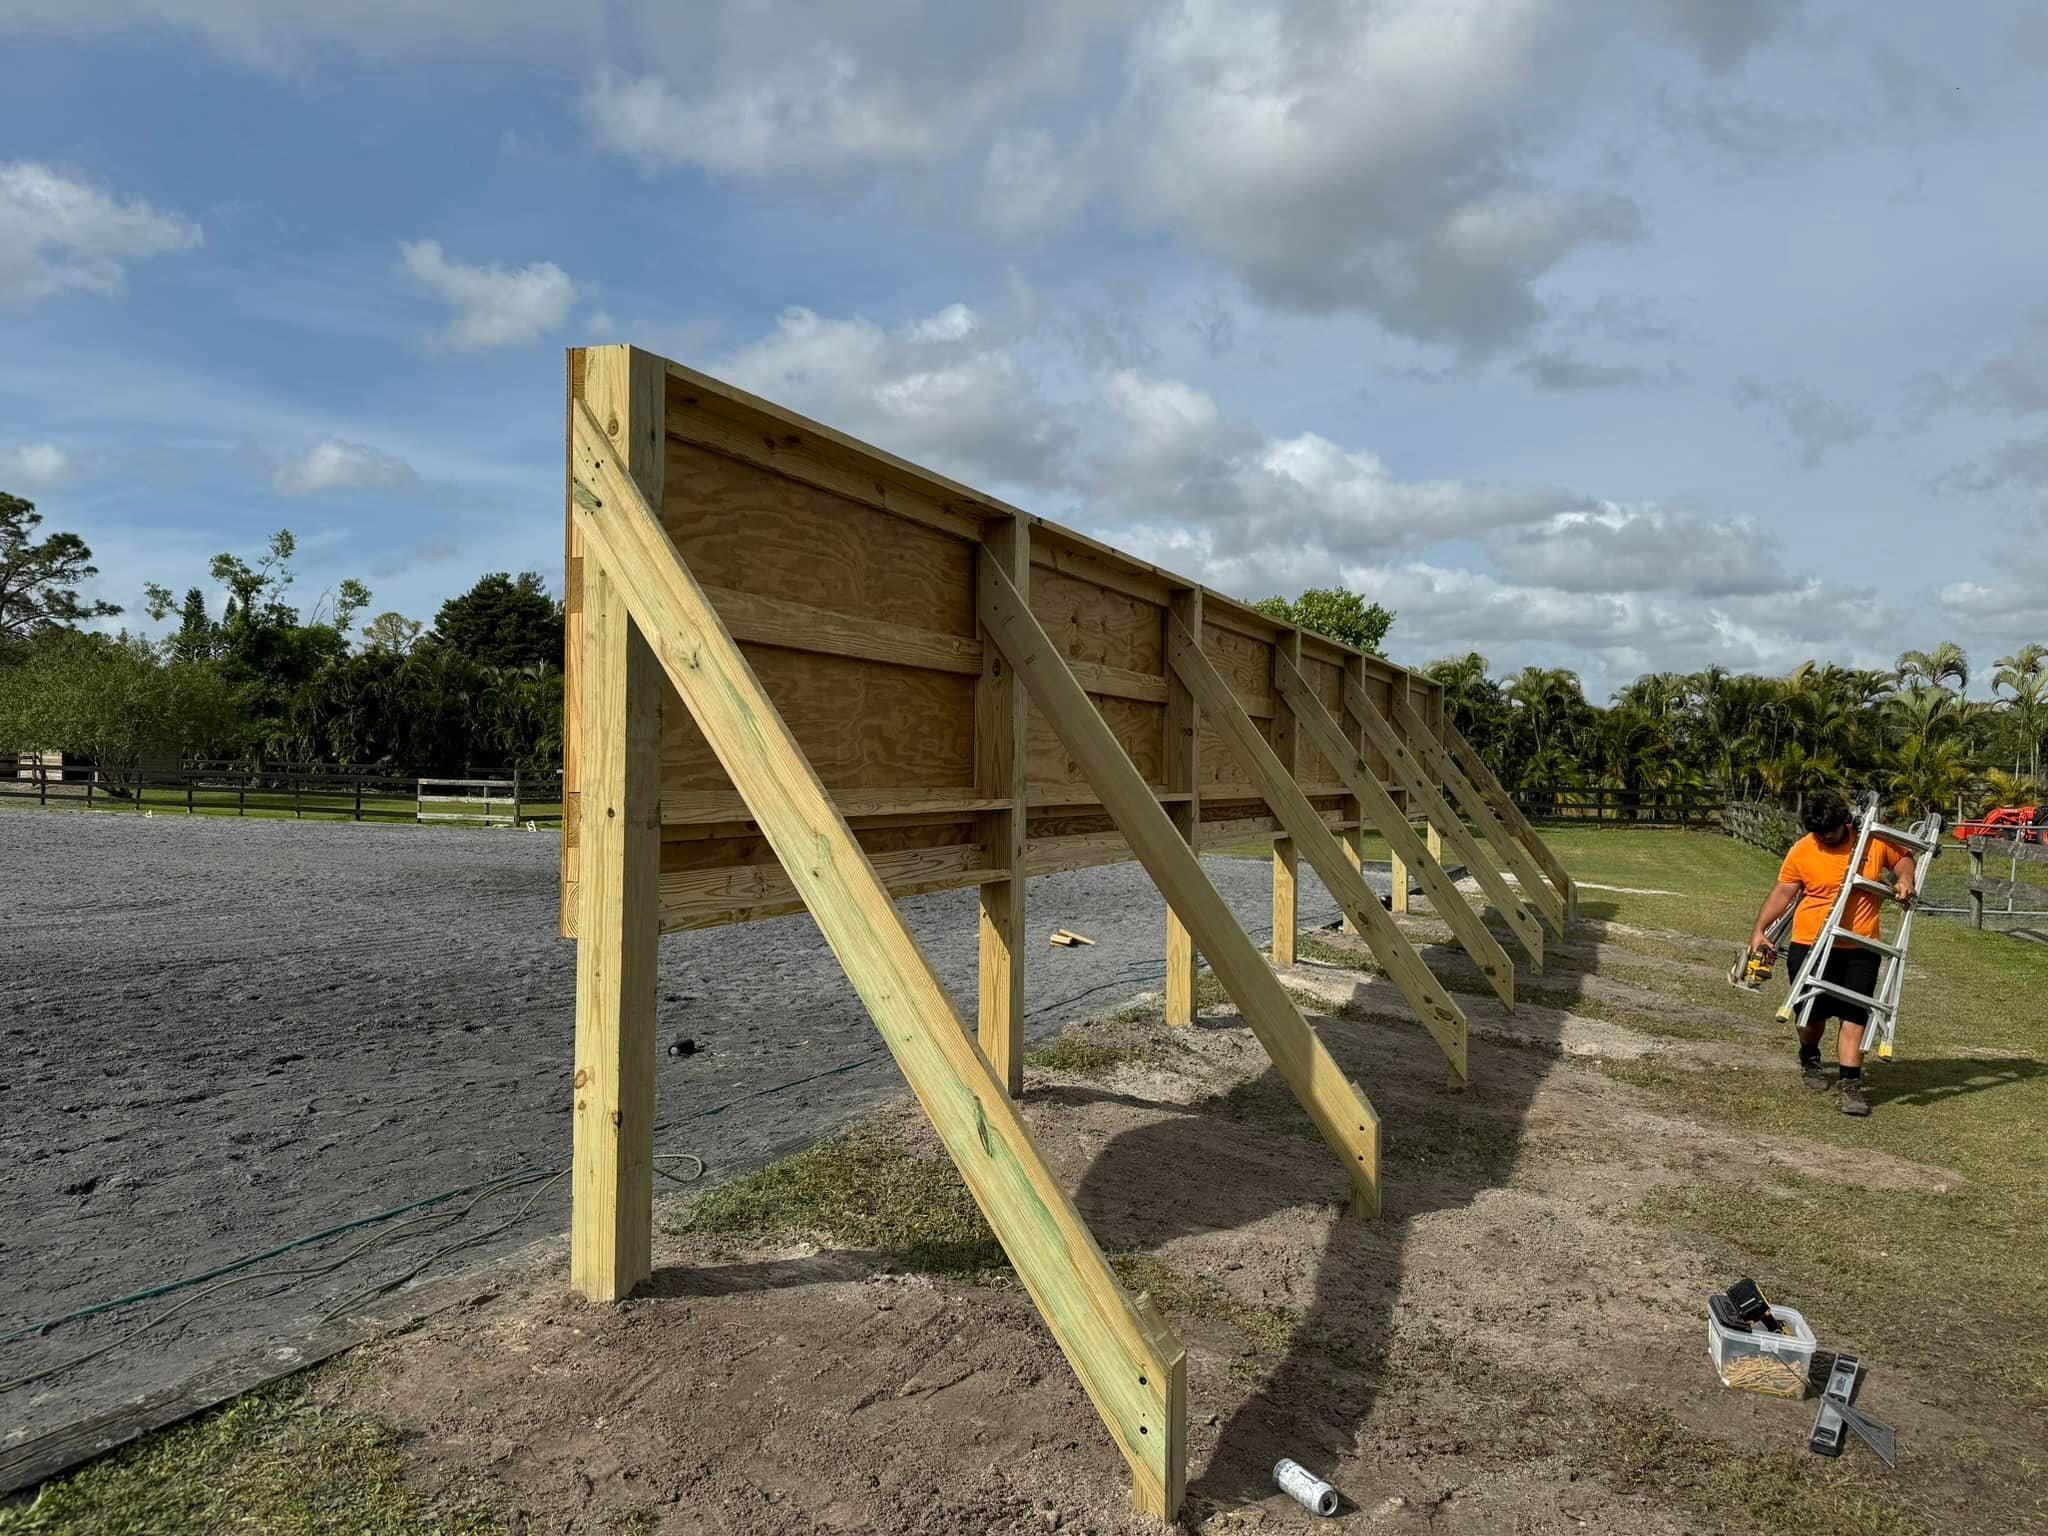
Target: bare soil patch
column 1507, row 1350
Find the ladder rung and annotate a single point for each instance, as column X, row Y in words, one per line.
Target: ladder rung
column 1880, row 945
column 1904, row 839
column 1847, row 995
column 1862, row 884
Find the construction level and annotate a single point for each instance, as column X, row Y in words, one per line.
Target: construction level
column 804, row 675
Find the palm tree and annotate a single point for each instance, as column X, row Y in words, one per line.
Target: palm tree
column 2022, row 663
column 1946, row 660
column 1927, row 775
column 2028, row 711
column 1924, row 706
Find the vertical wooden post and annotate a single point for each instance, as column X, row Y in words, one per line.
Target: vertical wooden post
column 618, row 864
column 1976, row 886
column 999, row 761
column 1435, row 841
column 1354, row 839
column 1183, row 775
column 572, row 655
column 1286, row 858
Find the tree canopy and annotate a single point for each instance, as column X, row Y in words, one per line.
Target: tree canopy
column 504, row 621
column 39, row 578
column 1336, row 612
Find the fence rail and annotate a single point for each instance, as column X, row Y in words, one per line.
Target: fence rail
column 348, row 792
column 1621, row 807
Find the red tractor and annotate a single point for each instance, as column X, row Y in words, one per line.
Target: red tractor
column 2023, row 823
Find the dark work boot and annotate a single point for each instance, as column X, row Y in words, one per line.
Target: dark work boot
column 1811, row 1074
column 1853, row 1102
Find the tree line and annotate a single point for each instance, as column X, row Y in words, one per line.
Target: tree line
column 478, row 690
column 1909, row 733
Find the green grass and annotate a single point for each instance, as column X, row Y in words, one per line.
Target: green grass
column 273, row 1462
column 1271, row 1329
column 865, row 1189
column 1968, row 1093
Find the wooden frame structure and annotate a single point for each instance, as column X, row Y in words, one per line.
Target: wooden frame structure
column 804, row 675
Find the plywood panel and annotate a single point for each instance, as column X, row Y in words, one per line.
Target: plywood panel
column 862, row 724
column 1326, row 682
column 1091, row 623
column 749, row 529
column 1139, row 728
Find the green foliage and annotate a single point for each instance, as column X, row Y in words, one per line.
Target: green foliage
column 392, row 632
column 1342, row 615
column 115, row 701
column 39, row 577
column 504, row 622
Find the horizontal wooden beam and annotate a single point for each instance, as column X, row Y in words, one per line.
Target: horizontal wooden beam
column 682, row 807
column 758, row 620
column 1128, row 1360
column 697, row 892
column 1441, row 1016
column 1340, row 1111
column 1119, row 682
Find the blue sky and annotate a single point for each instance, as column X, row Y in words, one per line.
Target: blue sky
column 1616, row 336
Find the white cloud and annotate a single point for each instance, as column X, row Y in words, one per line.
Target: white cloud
column 949, row 388
column 35, row 465
column 58, row 232
column 334, row 465
column 1029, row 188
column 1643, row 549
column 495, row 306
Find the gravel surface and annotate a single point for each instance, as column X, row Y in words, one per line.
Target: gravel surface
column 217, row 1036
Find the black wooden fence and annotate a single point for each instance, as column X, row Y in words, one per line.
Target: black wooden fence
column 1621, row 807
column 334, row 791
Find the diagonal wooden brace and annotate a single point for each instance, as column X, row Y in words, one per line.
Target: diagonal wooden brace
column 1340, row 1111
column 1437, row 763
column 1448, row 823
column 1125, row 1355
column 1488, row 784
column 1442, row 1017
column 1380, row 810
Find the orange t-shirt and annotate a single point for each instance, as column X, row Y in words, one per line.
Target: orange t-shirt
column 1821, row 873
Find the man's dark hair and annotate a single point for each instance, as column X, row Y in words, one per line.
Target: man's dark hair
column 1826, row 812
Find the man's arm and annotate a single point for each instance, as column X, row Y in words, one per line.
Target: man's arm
column 1903, row 872
column 1776, row 905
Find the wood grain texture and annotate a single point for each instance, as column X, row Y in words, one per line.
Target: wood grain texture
column 1436, row 762
column 1340, row 1111
column 1286, row 857
column 572, row 651
column 800, row 627
column 1183, row 775
column 618, row 859
column 999, row 769
column 1432, row 1005
column 1444, row 822
column 1466, row 926
column 1125, row 1357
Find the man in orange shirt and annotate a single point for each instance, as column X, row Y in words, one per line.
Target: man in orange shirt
column 1812, row 875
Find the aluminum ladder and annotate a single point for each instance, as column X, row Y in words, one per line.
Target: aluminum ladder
column 1923, row 838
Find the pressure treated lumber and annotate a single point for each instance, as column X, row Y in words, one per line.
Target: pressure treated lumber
column 1184, row 776
column 1327, row 736
column 999, row 762
column 619, row 835
column 1437, row 763
column 1124, row 1354
column 1286, row 856
column 1488, row 784
column 1336, row 1105
column 1446, row 823
column 1442, row 1017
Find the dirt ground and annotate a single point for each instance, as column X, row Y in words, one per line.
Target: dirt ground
column 220, row 1035
column 1504, row 1351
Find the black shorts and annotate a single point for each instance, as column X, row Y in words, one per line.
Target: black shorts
column 1851, row 966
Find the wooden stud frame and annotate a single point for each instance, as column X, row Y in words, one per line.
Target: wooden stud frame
column 806, row 676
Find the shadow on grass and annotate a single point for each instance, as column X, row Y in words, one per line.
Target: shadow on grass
column 1931, row 1079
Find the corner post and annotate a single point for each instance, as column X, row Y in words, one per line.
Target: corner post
column 999, row 764
column 618, row 808
column 1286, row 857
column 1354, row 837
column 1184, row 776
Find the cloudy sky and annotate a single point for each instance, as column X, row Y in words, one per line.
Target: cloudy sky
column 1610, row 334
